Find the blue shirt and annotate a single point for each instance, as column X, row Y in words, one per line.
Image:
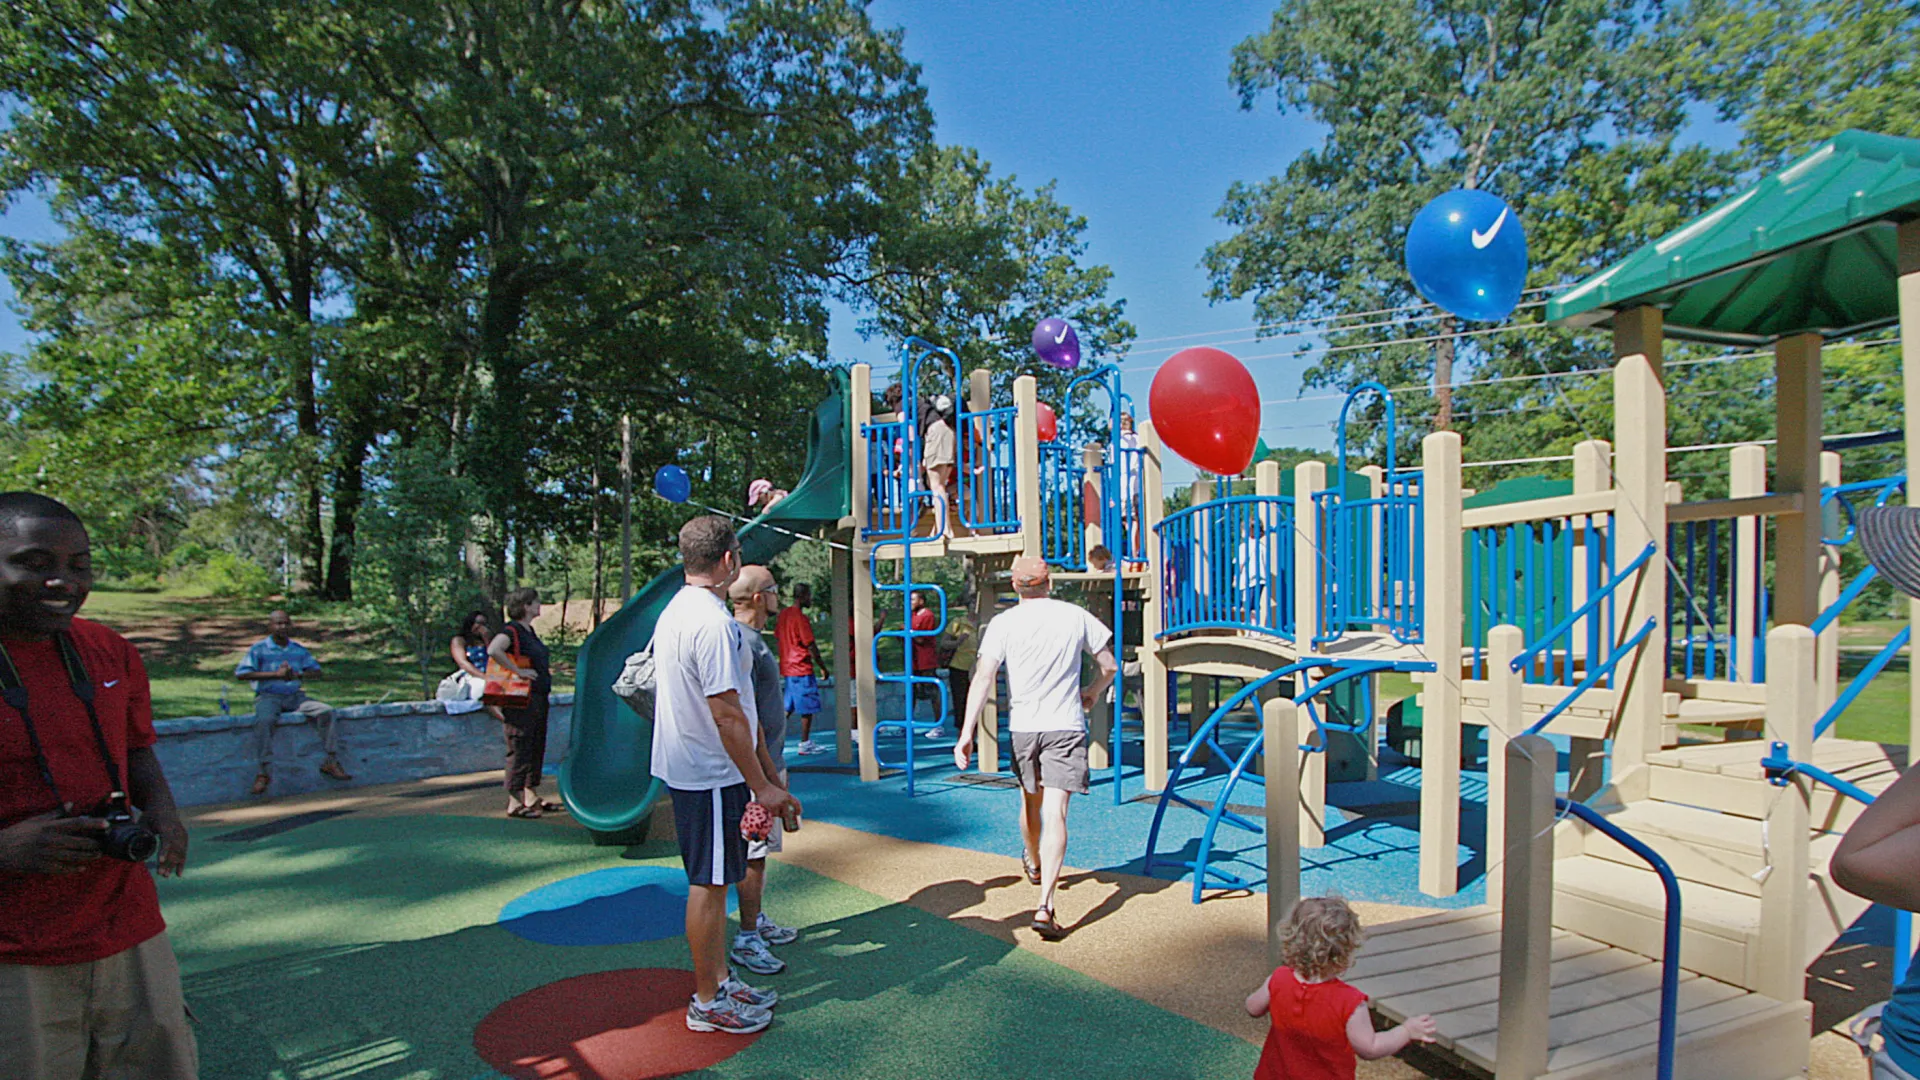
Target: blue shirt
column 1900, row 1023
column 265, row 655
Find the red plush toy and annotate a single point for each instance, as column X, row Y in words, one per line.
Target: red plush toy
column 755, row 823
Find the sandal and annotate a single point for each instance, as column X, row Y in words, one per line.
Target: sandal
column 1044, row 925
column 528, row 812
column 551, row 807
column 1033, row 872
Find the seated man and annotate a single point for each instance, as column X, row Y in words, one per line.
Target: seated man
column 275, row 665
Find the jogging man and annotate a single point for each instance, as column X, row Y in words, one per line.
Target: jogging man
column 708, row 750
column 800, row 666
column 1041, row 641
column 89, row 987
column 755, row 597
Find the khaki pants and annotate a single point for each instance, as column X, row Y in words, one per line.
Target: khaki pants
column 121, row 1018
column 266, row 715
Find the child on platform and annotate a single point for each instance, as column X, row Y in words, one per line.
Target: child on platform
column 1321, row 1024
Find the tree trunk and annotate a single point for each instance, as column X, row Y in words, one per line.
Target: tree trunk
column 566, row 596
column 599, row 549
column 349, row 487
column 1443, row 379
column 309, row 540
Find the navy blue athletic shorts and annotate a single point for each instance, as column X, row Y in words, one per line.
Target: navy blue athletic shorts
column 708, row 823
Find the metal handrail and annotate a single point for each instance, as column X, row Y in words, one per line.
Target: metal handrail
column 1593, row 677
column 1874, row 667
column 1670, row 950
column 1886, row 488
column 1847, row 596
column 1526, row 658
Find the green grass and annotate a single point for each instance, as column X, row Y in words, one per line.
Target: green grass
column 191, row 644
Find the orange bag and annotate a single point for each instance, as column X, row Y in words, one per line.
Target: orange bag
column 504, row 689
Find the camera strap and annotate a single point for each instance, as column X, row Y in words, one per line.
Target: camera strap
column 14, row 692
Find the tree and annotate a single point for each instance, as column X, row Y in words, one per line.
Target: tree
column 1564, row 109
column 972, row 262
column 415, row 527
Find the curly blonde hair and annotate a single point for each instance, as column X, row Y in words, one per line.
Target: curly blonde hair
column 1320, row 937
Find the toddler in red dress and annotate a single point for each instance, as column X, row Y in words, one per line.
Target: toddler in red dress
column 1320, row 1024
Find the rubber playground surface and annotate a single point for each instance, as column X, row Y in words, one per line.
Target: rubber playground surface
column 412, row 932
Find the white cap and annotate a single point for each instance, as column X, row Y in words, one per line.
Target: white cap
column 943, row 403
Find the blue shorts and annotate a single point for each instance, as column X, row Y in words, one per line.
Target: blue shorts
column 802, row 695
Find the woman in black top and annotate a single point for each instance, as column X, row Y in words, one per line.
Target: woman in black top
column 526, row 728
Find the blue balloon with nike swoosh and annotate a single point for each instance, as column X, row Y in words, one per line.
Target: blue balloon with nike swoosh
column 1055, row 342
column 1467, row 252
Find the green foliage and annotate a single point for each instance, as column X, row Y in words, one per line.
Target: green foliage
column 414, row 530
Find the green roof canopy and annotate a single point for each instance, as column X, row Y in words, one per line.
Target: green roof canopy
column 1809, row 249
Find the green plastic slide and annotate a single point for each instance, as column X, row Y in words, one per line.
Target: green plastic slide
column 606, row 779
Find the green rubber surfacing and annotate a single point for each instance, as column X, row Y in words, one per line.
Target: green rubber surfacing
column 368, row 948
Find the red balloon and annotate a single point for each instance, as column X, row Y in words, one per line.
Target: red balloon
column 1049, row 423
column 1206, row 409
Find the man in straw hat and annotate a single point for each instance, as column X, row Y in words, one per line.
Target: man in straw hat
column 1879, row 858
column 1040, row 641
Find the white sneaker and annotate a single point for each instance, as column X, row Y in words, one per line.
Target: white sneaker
column 750, row 951
column 724, row 1014
column 773, row 933
column 808, row 748
column 748, row 997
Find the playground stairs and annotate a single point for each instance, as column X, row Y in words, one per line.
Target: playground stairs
column 1604, row 1004
column 1704, row 817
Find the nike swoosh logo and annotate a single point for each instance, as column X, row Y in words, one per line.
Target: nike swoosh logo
column 1482, row 239
column 110, row 684
column 1060, row 339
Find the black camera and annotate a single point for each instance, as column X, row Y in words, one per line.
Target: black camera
column 127, row 837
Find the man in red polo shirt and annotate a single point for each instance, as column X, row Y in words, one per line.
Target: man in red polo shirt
column 88, row 982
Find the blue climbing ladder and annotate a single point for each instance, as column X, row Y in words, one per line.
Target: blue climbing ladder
column 897, row 493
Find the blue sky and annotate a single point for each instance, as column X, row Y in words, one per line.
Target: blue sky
column 1127, row 106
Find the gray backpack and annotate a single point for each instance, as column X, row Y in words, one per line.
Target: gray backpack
column 635, row 686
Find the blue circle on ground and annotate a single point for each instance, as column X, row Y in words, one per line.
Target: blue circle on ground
column 621, row 905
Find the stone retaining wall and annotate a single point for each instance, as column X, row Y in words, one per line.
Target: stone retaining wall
column 209, row 759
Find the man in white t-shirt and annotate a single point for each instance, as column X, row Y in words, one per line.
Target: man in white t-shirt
column 709, row 751
column 1041, row 641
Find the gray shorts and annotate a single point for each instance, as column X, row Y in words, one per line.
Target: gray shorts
column 1055, row 759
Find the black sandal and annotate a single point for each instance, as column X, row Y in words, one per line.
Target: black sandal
column 1044, row 925
column 530, row 813
column 1033, row 872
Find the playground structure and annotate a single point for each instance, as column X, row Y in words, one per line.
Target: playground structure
column 1653, row 916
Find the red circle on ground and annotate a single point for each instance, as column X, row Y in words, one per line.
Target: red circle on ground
column 611, row 1025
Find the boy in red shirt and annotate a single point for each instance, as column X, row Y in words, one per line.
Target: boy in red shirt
column 926, row 658
column 1320, row 1024
column 88, row 982
column 800, row 665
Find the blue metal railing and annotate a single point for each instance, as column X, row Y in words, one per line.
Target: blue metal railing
column 1670, row 941
column 1228, row 565
column 1598, row 601
column 889, row 475
column 1780, row 769
column 989, row 488
column 1372, row 549
column 1129, row 541
column 1527, row 574
column 1834, row 501
column 1205, row 738
column 1063, row 534
column 1859, row 682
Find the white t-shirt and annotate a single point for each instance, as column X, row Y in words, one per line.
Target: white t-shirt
column 698, row 652
column 1040, row 641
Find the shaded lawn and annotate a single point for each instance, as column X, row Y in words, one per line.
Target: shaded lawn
column 192, row 643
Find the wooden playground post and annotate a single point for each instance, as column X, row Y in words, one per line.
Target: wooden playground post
column 1526, row 917
column 840, row 607
column 1200, row 696
column 1796, row 554
column 1091, row 483
column 1026, row 461
column 1592, row 473
column 1309, row 479
column 1504, row 723
column 987, row 739
column 1907, row 245
column 1154, row 706
column 1640, row 475
column 1827, row 647
column 1280, row 726
column 1782, row 961
column 1100, row 721
column 1747, row 476
column 860, row 571
column 979, row 400
column 1442, row 607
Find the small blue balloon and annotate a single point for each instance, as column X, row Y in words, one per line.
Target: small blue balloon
column 671, row 483
column 1467, row 253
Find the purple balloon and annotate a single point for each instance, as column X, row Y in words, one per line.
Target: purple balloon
column 1056, row 343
